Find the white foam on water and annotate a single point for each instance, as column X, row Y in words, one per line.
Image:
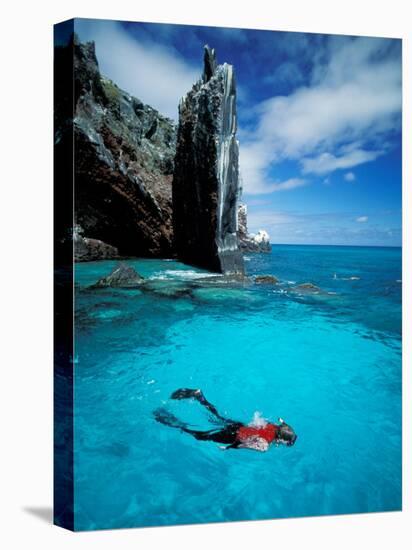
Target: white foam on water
column 159, row 277
column 351, row 278
column 188, row 274
column 258, row 421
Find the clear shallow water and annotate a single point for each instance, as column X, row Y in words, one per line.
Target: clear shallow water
column 329, row 364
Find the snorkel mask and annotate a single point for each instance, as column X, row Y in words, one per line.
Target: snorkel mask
column 286, row 434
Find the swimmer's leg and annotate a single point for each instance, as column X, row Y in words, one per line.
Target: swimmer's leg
column 168, row 419
column 186, row 393
column 227, row 435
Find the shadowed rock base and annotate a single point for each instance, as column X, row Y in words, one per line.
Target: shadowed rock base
column 87, row 250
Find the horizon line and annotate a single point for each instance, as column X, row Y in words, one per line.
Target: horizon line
column 342, row 245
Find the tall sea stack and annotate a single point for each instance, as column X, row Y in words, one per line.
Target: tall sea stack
column 206, row 175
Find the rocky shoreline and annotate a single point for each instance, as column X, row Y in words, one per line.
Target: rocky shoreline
column 124, row 277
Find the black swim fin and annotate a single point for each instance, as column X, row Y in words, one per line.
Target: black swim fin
column 165, row 417
column 185, row 393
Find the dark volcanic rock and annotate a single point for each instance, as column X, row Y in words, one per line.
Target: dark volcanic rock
column 122, row 276
column 206, row 179
column 266, row 280
column 307, row 288
column 248, row 242
column 124, row 154
column 86, row 249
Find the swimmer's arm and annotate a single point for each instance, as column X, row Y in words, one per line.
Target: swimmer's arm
column 255, row 444
column 234, row 445
column 252, row 443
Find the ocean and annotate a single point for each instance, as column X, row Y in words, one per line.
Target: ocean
column 328, row 363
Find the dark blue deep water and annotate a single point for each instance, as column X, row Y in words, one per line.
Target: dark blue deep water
column 328, row 363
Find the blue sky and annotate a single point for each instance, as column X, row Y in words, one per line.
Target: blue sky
column 319, row 120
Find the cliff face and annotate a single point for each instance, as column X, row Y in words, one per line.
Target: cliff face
column 124, row 154
column 206, row 179
column 248, row 242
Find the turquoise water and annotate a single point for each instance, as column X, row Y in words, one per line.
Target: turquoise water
column 329, row 364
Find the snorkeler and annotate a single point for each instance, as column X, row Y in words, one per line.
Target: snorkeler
column 235, row 435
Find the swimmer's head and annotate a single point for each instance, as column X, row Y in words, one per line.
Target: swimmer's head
column 286, row 434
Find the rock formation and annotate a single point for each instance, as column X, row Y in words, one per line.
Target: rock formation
column 266, row 280
column 249, row 242
column 206, row 178
column 86, row 250
column 124, row 153
column 122, row 276
column 307, row 288
column 124, row 156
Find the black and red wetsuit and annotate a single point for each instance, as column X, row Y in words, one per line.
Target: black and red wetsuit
column 268, row 433
column 232, row 433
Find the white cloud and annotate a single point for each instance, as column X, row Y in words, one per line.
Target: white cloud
column 291, row 183
column 349, row 176
column 362, row 219
column 253, row 160
column 326, row 162
column 286, row 185
column 155, row 74
column 325, row 126
column 353, row 100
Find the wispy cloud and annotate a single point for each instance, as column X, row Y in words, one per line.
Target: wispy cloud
column 277, row 186
column 349, row 176
column 362, row 219
column 338, row 121
column 327, row 162
column 291, row 183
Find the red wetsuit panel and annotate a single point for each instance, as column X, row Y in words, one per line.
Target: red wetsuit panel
column 268, row 433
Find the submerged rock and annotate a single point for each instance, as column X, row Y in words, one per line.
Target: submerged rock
column 122, row 276
column 211, row 287
column 266, row 280
column 167, row 288
column 307, row 288
column 249, row 242
column 206, row 174
column 221, row 294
